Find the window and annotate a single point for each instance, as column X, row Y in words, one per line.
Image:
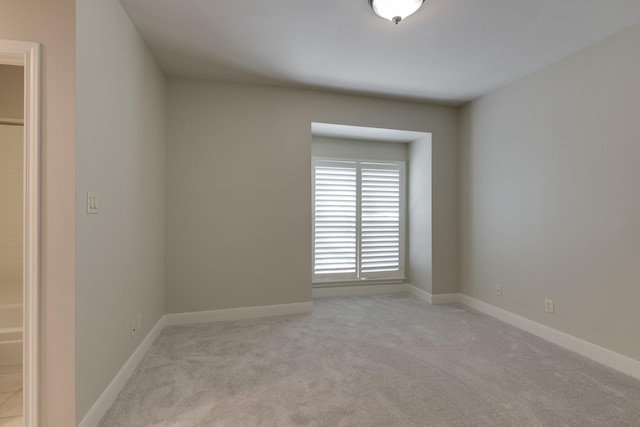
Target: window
column 358, row 220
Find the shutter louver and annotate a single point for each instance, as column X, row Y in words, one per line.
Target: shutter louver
column 335, row 218
column 380, row 223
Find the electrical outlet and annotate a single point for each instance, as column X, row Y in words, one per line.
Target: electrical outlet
column 499, row 291
column 549, row 306
column 132, row 324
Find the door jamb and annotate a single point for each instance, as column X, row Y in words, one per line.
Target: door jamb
column 28, row 54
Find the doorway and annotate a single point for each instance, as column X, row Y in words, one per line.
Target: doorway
column 19, row 231
column 11, row 246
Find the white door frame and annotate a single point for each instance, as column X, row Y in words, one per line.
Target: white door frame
column 27, row 54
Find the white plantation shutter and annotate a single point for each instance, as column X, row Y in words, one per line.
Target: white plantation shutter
column 335, row 219
column 380, row 219
column 358, row 220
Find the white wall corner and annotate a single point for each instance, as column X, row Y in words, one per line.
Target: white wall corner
column 420, row 294
column 106, row 399
column 594, row 352
column 238, row 313
column 433, row 299
column 358, row 290
column 445, row 298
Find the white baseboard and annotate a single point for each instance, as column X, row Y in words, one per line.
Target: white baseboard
column 601, row 355
column 104, row 402
column 358, row 290
column 445, row 298
column 420, row 294
column 433, row 299
column 238, row 313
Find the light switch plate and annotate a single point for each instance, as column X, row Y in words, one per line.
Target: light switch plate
column 92, row 202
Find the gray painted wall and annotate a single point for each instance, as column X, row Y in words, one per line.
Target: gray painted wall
column 420, row 231
column 550, row 206
column 120, row 154
column 358, row 149
column 239, row 188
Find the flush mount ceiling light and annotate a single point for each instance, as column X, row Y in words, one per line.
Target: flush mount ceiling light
column 395, row 10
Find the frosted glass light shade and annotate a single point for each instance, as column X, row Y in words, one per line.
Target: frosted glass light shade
column 395, row 10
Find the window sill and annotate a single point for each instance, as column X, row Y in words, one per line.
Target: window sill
column 385, row 281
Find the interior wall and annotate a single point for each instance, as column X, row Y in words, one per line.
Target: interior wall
column 120, row 155
column 12, row 90
column 358, row 149
column 549, row 195
column 239, row 188
column 420, row 230
column 54, row 27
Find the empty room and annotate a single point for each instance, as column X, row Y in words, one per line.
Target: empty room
column 321, row 213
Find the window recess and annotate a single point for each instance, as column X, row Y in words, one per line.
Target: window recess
column 358, row 221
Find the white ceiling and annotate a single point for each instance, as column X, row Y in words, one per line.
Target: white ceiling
column 450, row 51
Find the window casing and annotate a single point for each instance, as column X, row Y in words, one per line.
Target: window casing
column 358, row 220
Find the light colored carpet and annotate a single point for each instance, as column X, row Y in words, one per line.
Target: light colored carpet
column 370, row 361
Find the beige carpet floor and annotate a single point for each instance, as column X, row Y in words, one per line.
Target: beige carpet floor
column 370, row 361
